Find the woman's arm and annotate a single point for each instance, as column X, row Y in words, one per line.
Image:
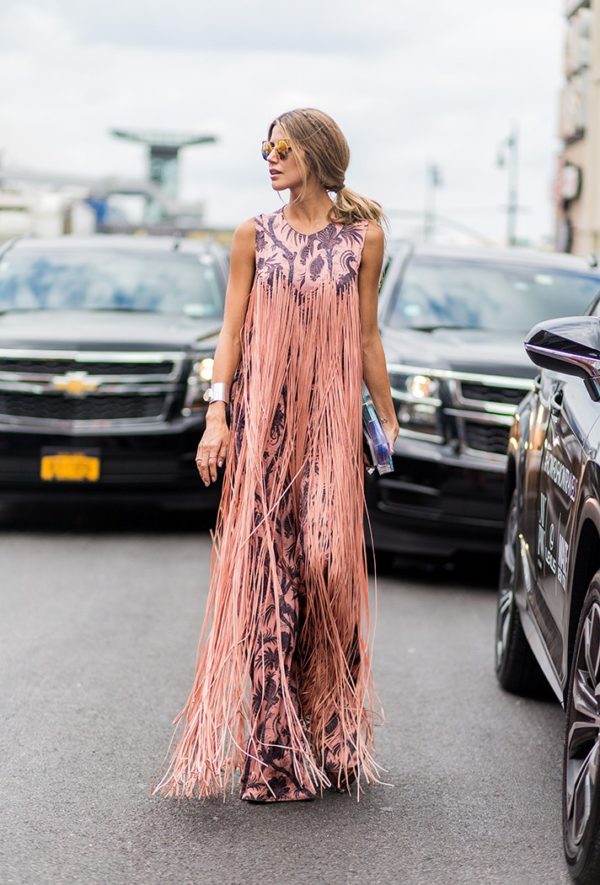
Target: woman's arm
column 375, row 373
column 213, row 444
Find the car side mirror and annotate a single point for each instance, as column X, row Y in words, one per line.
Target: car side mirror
column 569, row 346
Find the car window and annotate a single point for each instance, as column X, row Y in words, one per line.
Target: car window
column 110, row 279
column 470, row 294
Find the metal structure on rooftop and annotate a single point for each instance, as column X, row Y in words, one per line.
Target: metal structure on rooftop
column 163, row 153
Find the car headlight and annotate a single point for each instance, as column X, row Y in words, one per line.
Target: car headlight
column 417, row 400
column 198, row 383
column 204, row 368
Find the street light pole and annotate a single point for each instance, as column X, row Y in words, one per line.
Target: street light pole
column 433, row 179
column 508, row 155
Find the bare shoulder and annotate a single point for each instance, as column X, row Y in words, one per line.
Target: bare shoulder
column 243, row 240
column 245, row 230
column 374, row 237
column 374, row 244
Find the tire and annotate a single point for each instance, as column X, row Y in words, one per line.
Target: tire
column 581, row 763
column 517, row 669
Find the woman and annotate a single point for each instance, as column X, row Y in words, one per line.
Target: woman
column 288, row 603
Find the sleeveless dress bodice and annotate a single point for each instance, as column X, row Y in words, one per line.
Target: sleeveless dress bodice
column 333, row 252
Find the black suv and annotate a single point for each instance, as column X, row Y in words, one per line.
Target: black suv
column 452, row 323
column 548, row 621
column 106, row 348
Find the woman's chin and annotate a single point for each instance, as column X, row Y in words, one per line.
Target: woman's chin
column 278, row 185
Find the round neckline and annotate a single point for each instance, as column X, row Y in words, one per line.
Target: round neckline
column 299, row 232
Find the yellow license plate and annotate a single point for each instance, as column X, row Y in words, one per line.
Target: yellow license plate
column 70, row 467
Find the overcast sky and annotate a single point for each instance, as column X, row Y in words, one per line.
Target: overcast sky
column 409, row 82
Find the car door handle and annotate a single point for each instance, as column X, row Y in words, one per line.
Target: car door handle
column 556, row 402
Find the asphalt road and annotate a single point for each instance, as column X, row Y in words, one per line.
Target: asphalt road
column 98, row 630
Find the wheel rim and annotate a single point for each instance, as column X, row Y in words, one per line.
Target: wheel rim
column 583, row 733
column 506, row 593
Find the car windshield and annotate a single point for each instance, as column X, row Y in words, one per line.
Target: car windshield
column 111, row 279
column 443, row 293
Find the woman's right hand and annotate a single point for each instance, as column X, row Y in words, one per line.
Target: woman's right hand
column 213, row 444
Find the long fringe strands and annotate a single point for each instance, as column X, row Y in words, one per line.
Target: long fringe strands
column 307, row 344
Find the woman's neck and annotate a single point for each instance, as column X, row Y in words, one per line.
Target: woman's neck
column 309, row 210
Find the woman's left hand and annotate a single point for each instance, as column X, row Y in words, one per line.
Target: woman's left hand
column 391, row 431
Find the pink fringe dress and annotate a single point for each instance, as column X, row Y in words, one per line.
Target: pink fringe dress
column 283, row 690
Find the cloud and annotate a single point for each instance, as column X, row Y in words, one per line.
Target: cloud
column 408, row 82
column 313, row 26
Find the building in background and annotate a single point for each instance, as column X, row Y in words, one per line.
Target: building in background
column 577, row 187
column 49, row 203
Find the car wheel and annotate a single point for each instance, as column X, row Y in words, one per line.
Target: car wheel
column 581, row 769
column 516, row 667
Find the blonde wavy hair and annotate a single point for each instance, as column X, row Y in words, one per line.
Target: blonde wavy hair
column 320, row 147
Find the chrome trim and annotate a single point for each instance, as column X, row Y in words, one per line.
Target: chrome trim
column 590, row 366
column 436, row 439
column 91, row 356
column 86, row 356
column 450, row 374
column 106, row 390
column 490, row 406
column 485, row 455
column 95, row 426
column 407, row 398
column 481, row 417
column 33, row 377
column 87, row 424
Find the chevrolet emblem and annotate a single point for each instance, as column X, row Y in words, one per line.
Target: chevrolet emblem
column 74, row 383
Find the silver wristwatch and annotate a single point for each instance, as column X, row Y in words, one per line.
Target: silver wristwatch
column 217, row 391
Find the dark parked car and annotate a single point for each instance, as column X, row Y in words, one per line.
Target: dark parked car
column 106, row 347
column 548, row 622
column 452, row 322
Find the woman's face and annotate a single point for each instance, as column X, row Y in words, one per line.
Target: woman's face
column 284, row 173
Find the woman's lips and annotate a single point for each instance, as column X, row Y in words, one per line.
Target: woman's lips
column 273, row 173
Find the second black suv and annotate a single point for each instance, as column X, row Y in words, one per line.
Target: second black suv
column 452, row 322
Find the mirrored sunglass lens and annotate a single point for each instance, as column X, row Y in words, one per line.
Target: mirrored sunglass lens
column 281, row 147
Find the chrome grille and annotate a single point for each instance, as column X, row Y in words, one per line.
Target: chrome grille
column 472, row 390
column 486, row 437
column 58, row 407
column 54, row 366
column 55, row 387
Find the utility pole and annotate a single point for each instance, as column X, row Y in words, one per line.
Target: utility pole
column 433, row 180
column 508, row 157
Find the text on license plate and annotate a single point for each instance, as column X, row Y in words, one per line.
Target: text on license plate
column 70, row 466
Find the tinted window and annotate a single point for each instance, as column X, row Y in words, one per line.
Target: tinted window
column 444, row 292
column 111, row 280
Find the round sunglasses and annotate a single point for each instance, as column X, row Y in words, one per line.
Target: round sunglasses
column 282, row 148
